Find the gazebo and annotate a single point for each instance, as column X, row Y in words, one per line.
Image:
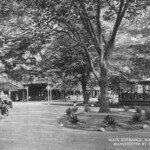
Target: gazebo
column 137, row 93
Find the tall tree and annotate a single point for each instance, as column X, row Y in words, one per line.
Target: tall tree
column 69, row 62
column 69, row 16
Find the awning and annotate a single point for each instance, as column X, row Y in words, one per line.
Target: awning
column 145, row 81
column 9, row 87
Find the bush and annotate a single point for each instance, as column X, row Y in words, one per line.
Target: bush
column 87, row 109
column 137, row 118
column 4, row 111
column 110, row 122
column 68, row 111
column 138, row 109
column 10, row 104
column 73, row 118
column 126, row 108
column 74, row 109
column 147, row 114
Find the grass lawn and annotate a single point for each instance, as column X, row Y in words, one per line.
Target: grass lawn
column 94, row 121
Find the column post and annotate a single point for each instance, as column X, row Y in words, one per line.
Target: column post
column 27, row 90
column 48, row 97
column 51, row 87
column 9, row 94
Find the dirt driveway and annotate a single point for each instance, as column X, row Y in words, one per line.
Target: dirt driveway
column 33, row 126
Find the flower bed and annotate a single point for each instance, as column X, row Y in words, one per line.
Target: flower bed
column 93, row 121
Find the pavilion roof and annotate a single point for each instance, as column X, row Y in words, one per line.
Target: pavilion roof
column 9, row 87
column 145, row 81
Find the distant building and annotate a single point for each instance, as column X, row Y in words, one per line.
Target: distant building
column 32, row 88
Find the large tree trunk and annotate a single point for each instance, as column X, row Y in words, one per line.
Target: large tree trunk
column 103, row 98
column 85, row 93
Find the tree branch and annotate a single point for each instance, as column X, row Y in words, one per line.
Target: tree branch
column 122, row 9
column 104, row 40
column 98, row 23
column 88, row 57
column 112, row 7
column 96, row 74
column 89, row 28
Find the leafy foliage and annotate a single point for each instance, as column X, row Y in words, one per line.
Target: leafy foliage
column 147, row 114
column 137, row 118
column 73, row 118
column 74, row 109
column 4, row 110
column 69, row 61
column 140, row 60
column 126, row 108
column 109, row 121
column 68, row 111
column 138, row 109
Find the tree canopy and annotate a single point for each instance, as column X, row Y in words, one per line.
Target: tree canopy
column 92, row 26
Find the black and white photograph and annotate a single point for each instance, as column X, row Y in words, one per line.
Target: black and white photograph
column 74, row 74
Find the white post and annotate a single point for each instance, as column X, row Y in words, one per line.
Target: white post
column 9, row 94
column 48, row 88
column 27, row 89
column 48, row 94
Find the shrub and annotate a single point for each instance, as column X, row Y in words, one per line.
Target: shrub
column 4, row 111
column 147, row 114
column 110, row 122
column 68, row 111
column 74, row 109
column 87, row 109
column 73, row 118
column 10, row 104
column 137, row 118
column 126, row 108
column 138, row 109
